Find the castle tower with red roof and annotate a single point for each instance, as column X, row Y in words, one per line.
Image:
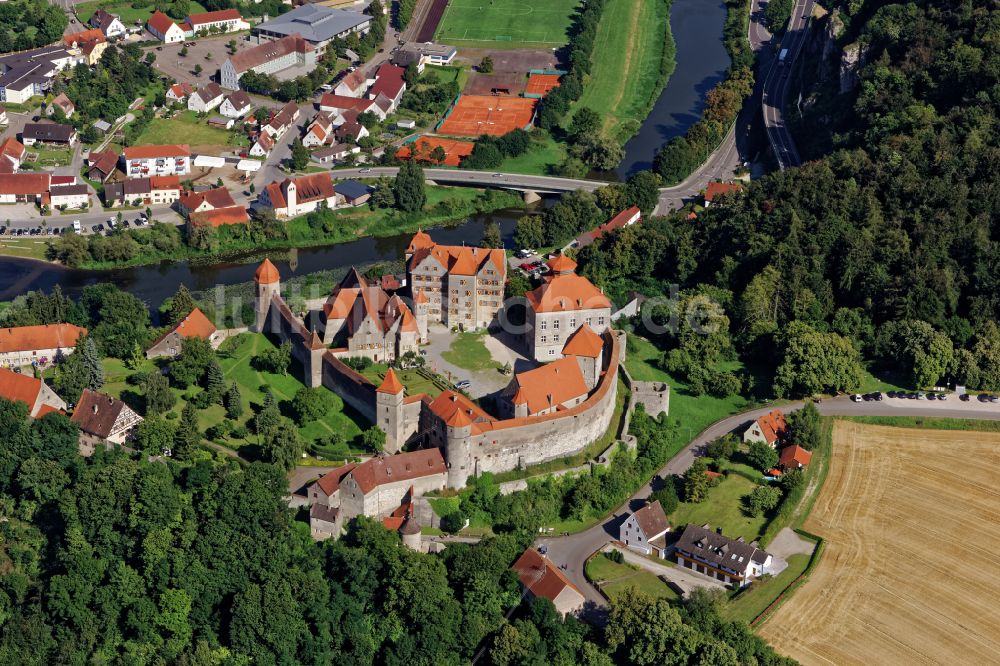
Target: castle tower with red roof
column 389, row 411
column 268, row 286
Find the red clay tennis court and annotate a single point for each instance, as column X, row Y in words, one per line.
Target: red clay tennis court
column 454, row 150
column 541, row 84
column 476, row 115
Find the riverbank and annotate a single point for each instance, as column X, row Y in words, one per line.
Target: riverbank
column 141, row 247
column 634, row 57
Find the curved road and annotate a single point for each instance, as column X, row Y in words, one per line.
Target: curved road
column 776, row 85
column 573, row 551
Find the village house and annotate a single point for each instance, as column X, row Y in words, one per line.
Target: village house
column 155, row 190
column 179, row 92
column 25, row 188
column 363, row 320
column 164, row 29
column 103, row 421
column 316, row 24
column 338, row 152
column 35, row 393
column 195, row 325
column 262, row 145
column 282, row 121
column 645, row 531
column 198, row 202
column 236, row 105
column 109, row 24
column 541, row 578
column 69, row 197
column 715, row 189
column 223, row 20
column 355, row 84
column 101, row 165
column 794, row 457
column 220, row 217
column 463, row 285
column 731, row 561
column 52, row 134
column 297, row 196
column 354, row 193
column 325, row 522
column 319, row 131
column 424, row 54
column 31, row 345
column 336, row 105
column 267, row 58
column 166, row 160
column 770, row 428
column 351, row 129
column 12, row 153
column 563, row 303
column 206, row 98
column 388, row 83
column 29, row 73
column 91, row 44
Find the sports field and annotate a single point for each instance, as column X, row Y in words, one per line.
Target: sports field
column 625, row 79
column 911, row 519
column 454, row 151
column 541, row 84
column 476, row 115
column 506, row 24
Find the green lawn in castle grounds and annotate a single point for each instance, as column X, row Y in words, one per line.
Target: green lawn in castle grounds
column 614, row 579
column 468, row 350
column 506, row 24
column 414, row 382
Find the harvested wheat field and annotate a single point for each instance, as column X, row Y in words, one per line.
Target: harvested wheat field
column 911, row 571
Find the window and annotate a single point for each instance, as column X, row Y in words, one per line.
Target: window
column 588, row 321
column 555, row 338
column 572, row 323
column 555, row 324
column 544, row 339
column 543, row 325
column 552, row 352
column 600, row 321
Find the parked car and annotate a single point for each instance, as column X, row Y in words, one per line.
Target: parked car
column 964, row 397
column 463, row 385
column 856, row 397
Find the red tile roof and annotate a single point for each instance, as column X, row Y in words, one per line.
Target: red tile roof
column 388, row 81
column 268, row 51
column 584, row 342
column 330, row 482
column 566, row 292
column 460, row 259
column 79, row 38
column 24, row 183
column 550, row 385
column 794, row 456
column 619, row 221
column 182, row 89
column 773, row 426
column 150, row 152
column 541, row 577
column 266, row 273
column 219, row 217
column 456, row 410
column 213, row 17
column 165, row 182
column 377, row 472
column 561, row 264
column 195, row 325
column 46, row 336
column 218, row 197
column 715, row 189
column 652, row 520
column 390, row 384
column 160, row 22
column 15, row 386
column 345, row 103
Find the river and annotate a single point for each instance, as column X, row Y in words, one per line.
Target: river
column 702, row 61
column 154, row 283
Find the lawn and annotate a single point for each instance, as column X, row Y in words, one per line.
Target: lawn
column 31, row 247
column 468, row 351
column 125, row 11
column 614, row 579
column 627, row 77
column 544, row 155
column 444, row 74
column 723, row 506
column 414, row 381
column 51, row 156
column 506, row 24
column 184, row 127
column 752, row 601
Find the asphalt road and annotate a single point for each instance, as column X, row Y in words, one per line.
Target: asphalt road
column 776, row 85
column 574, row 550
column 518, row 181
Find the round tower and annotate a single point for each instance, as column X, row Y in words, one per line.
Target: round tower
column 409, row 531
column 389, row 414
column 458, row 448
column 268, row 286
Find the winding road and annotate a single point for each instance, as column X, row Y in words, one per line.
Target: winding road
column 573, row 551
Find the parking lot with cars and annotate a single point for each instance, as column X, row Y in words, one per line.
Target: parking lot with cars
column 901, row 398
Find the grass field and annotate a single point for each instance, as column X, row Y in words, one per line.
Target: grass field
column 187, row 128
column 723, row 507
column 30, row 247
column 124, row 10
column 910, row 520
column 753, row 600
column 615, row 580
column 468, row 351
column 413, row 381
column 625, row 79
column 506, row 24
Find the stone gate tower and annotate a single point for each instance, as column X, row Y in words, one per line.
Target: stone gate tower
column 268, row 285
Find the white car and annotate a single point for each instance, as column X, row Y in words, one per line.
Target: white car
column 77, row 227
column 856, row 397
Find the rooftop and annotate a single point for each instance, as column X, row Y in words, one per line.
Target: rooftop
column 315, row 23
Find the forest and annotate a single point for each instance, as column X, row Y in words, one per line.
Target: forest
column 26, row 24
column 880, row 252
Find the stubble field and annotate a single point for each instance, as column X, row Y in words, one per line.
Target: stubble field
column 911, row 520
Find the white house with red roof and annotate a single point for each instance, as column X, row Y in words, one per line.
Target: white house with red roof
column 35, row 393
column 770, row 428
column 626, row 218
column 389, row 83
column 194, row 325
column 297, row 196
column 236, row 105
column 37, row 345
column 262, row 145
column 166, row 160
column 12, row 153
column 109, row 24
column 716, row 189
column 541, row 578
column 164, row 29
column 645, row 530
column 221, row 21
column 354, row 84
column 179, row 92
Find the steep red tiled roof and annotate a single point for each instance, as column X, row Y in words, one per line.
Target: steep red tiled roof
column 195, row 325
column 46, row 336
column 160, row 22
column 772, row 425
column 165, row 182
column 561, row 264
column 584, row 342
column 329, row 483
column 219, row 217
column 456, row 410
column 793, row 456
column 388, row 81
column 715, row 189
column 15, row 386
column 218, row 197
column 390, row 384
column 266, row 273
column 24, row 183
column 212, row 17
column 104, row 162
column 652, row 521
column 540, row 576
column 376, row 472
column 182, row 89
column 566, row 292
column 96, row 413
column 550, row 385
column 619, row 221
column 84, row 36
column 460, row 259
column 344, row 103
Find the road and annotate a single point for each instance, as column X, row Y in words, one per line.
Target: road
column 776, row 85
column 553, row 184
column 574, row 550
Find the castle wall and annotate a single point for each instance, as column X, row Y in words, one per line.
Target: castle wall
column 353, row 388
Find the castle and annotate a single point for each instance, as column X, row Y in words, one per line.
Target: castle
column 549, row 412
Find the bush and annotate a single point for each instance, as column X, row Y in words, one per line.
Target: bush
column 667, row 496
column 453, row 522
column 615, row 556
column 359, row 363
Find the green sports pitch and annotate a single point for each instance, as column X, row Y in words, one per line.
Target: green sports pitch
column 507, row 23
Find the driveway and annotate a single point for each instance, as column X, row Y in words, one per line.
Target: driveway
column 683, row 578
column 484, row 382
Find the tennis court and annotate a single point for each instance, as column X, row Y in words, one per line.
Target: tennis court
column 423, row 147
column 506, row 24
column 541, row 84
column 476, row 115
column 501, row 83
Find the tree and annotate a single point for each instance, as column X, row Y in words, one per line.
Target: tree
column 408, row 187
column 722, row 448
column 71, row 377
column 762, row 456
column 586, row 122
column 666, row 496
column 158, row 396
column 646, row 631
column 491, row 235
column 815, row 362
column 374, row 439
column 274, row 359
column 600, row 151
column 453, row 521
column 438, row 155
column 925, row 353
column 696, row 482
column 310, row 404
column 198, row 69
column 154, row 435
column 642, row 189
column 804, row 426
column 187, row 437
column 761, row 499
column 411, row 74
column 191, row 364
column 215, row 382
column 92, row 364
column 233, row 402
column 486, row 65
column 282, row 446
column 300, row 155
column 529, row 232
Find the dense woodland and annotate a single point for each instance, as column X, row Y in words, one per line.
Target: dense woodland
column 25, row 24
column 883, row 250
